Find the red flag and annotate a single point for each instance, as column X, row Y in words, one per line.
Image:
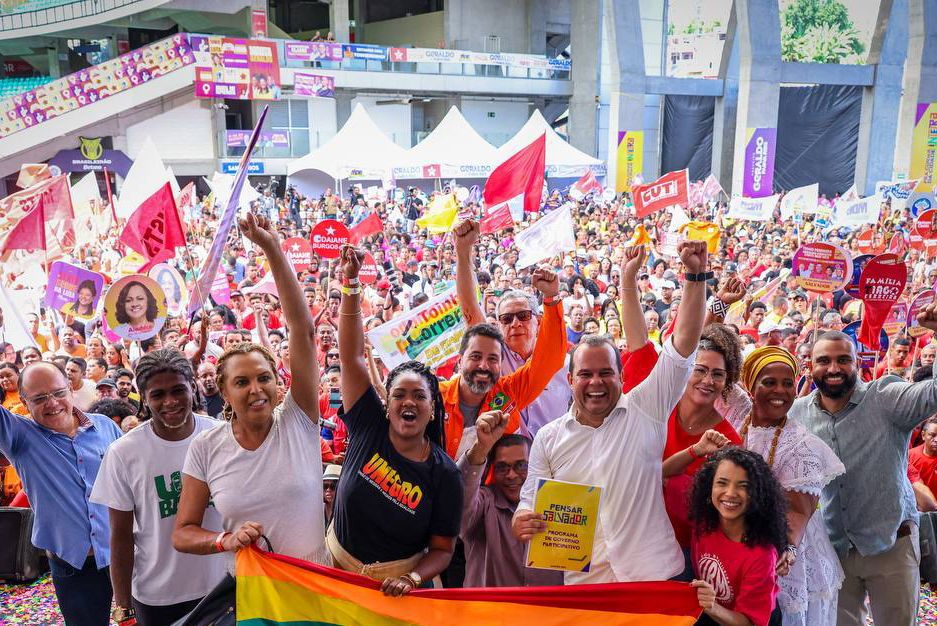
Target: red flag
column 368, row 226
column 154, row 229
column 668, row 190
column 497, row 219
column 587, row 184
column 522, row 173
column 28, row 215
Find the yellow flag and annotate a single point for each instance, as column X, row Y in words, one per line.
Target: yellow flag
column 703, row 231
column 441, row 214
column 640, row 236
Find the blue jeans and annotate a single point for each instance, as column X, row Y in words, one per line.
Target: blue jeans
column 84, row 595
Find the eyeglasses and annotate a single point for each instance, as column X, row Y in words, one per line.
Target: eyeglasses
column 718, row 376
column 42, row 398
column 332, row 355
column 501, row 468
column 508, row 318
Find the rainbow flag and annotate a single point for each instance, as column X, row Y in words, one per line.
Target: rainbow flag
column 274, row 590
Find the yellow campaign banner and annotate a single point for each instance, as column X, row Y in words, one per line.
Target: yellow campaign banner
column 630, row 160
column 571, row 511
column 924, row 146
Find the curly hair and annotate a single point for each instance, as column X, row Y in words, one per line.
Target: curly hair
column 766, row 515
column 720, row 339
column 435, row 430
column 160, row 361
column 243, row 347
column 152, row 309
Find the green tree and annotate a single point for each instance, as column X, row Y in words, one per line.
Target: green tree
column 819, row 29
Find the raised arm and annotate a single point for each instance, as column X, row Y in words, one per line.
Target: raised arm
column 355, row 379
column 632, row 322
column 261, row 327
column 305, row 385
column 732, row 291
column 466, row 234
column 689, row 324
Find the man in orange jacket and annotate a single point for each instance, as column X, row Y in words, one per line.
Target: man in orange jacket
column 480, row 387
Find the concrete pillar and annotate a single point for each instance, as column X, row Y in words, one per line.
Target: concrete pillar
column 878, row 125
column 920, row 76
column 536, row 27
column 627, row 99
column 342, row 108
column 758, row 29
column 338, row 20
column 585, row 28
column 726, row 110
column 52, row 54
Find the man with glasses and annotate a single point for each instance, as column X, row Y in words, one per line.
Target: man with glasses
column 57, row 454
column 519, row 323
column 493, row 556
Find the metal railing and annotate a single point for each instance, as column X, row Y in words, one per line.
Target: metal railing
column 25, row 16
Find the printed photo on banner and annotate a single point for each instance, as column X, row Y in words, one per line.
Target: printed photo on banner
column 313, row 85
column 430, row 333
column 923, row 299
column 570, row 511
column 821, row 267
column 135, row 307
column 239, row 69
column 173, row 285
column 73, row 290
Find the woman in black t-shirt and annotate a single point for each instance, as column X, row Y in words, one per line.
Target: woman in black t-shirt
column 399, row 501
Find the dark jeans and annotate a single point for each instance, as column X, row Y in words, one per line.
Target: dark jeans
column 705, row 620
column 148, row 615
column 84, row 595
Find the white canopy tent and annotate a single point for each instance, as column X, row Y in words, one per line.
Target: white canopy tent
column 359, row 151
column 562, row 160
column 453, row 150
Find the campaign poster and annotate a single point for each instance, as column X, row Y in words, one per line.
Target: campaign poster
column 313, row 85
column 571, row 512
column 760, row 147
column 135, row 307
column 896, row 320
column 882, row 283
column 821, row 267
column 312, row 51
column 174, row 287
column 630, row 161
column 268, row 139
column 74, row 290
column 328, row 237
column 920, row 301
column 924, row 146
column 259, row 23
column 298, row 252
column 430, row 333
column 237, row 69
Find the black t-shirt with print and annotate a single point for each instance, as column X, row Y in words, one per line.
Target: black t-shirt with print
column 388, row 506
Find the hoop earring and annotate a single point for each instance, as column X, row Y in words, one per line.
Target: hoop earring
column 227, row 412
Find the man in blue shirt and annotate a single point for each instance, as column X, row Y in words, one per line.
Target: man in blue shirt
column 57, row 455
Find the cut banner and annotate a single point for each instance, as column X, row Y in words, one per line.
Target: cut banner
column 275, row 590
column 430, row 333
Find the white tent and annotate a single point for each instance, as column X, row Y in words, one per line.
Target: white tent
column 562, row 160
column 359, row 151
column 453, row 150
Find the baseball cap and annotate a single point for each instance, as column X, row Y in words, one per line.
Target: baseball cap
column 383, row 284
column 767, row 327
column 106, row 382
column 668, row 284
column 237, row 294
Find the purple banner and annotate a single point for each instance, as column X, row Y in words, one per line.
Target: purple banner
column 759, row 162
column 273, row 139
column 78, row 161
column 73, row 290
column 313, row 51
column 313, row 85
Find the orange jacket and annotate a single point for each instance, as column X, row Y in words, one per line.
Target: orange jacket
column 520, row 387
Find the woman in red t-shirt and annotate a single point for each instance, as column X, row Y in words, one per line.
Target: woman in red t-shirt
column 696, row 428
column 739, row 526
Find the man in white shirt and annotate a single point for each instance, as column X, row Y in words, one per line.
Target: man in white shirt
column 82, row 388
column 140, row 480
column 616, row 442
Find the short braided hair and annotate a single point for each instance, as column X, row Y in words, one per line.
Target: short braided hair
column 435, row 430
column 158, row 362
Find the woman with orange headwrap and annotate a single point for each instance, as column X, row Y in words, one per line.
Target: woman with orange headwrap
column 809, row 570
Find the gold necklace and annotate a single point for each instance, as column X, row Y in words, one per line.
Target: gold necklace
column 743, row 433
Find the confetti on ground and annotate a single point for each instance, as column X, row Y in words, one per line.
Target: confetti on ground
column 35, row 605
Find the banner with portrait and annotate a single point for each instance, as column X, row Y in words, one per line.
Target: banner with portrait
column 238, row 69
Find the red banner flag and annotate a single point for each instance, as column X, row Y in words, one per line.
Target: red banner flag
column 881, row 284
column 30, row 216
column 155, row 230
column 668, row 190
column 371, row 225
column 586, row 185
column 521, row 174
column 497, row 219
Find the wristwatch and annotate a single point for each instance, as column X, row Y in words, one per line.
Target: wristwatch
column 698, row 278
column 122, row 614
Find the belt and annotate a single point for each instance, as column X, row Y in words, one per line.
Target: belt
column 905, row 529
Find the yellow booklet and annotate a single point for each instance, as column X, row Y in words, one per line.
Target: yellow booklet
column 571, row 511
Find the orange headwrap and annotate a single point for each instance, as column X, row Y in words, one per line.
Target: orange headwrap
column 761, row 358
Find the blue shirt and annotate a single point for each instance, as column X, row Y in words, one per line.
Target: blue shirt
column 864, row 507
column 58, row 473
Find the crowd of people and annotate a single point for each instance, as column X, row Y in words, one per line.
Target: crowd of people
column 741, row 444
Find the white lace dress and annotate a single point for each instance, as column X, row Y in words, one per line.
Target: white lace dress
column 802, row 462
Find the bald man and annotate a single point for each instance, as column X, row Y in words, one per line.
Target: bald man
column 57, row 454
